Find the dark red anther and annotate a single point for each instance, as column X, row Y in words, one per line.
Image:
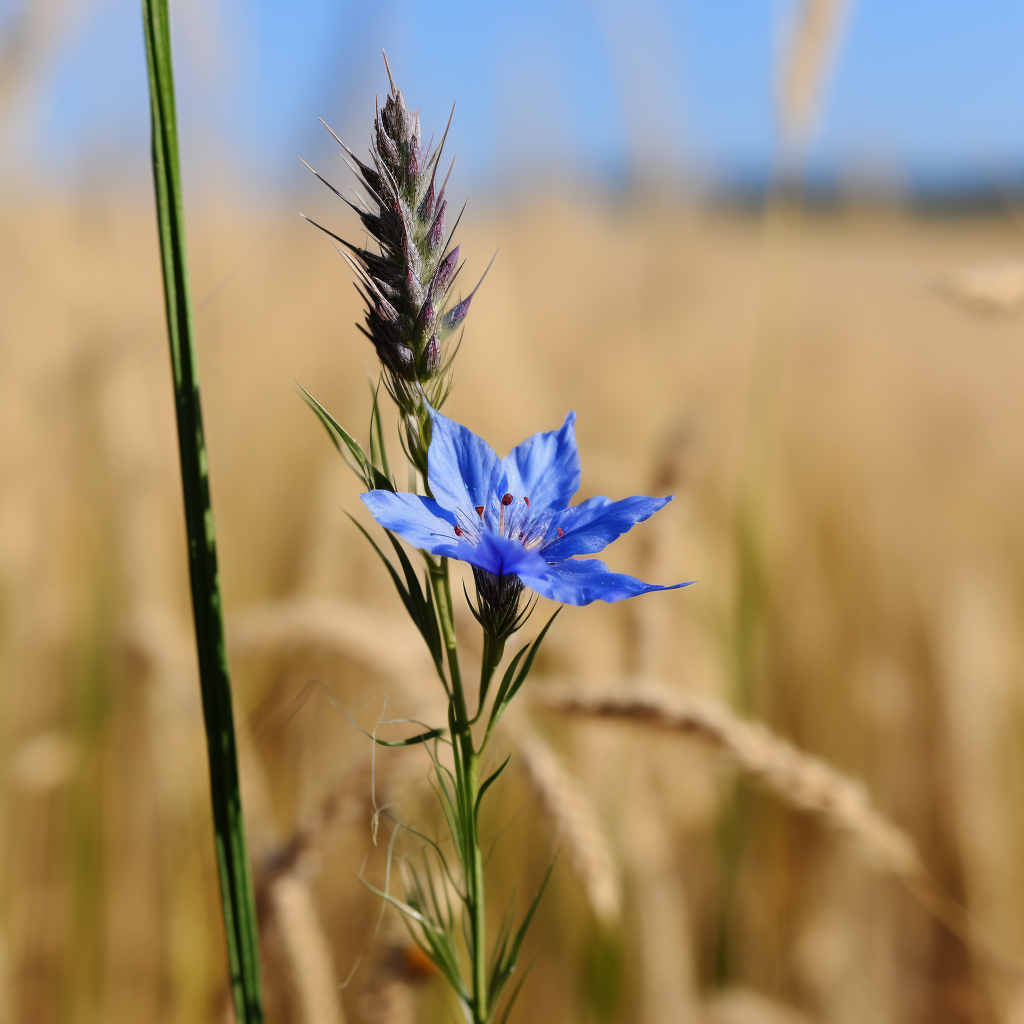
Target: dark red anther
column 561, row 532
column 527, row 500
column 479, row 510
column 507, row 500
column 458, row 531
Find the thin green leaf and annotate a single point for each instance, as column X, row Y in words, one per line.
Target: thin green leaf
column 515, row 992
column 372, row 477
column 499, row 708
column 423, row 737
column 435, row 846
column 504, row 972
column 420, row 607
column 524, row 927
column 506, row 682
column 504, row 935
column 405, row 908
column 488, row 782
column 437, row 942
column 449, row 807
column 431, row 614
column 424, row 612
column 427, row 944
column 399, row 586
column 431, row 891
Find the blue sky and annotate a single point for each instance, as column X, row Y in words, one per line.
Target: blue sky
column 568, row 89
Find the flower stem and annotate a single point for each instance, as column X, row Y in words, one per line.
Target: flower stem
column 467, row 774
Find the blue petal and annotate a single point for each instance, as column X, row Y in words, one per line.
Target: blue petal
column 463, row 469
column 546, row 467
column 580, row 581
column 593, row 524
column 500, row 556
column 420, row 521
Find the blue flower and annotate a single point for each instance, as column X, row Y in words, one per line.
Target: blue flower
column 512, row 516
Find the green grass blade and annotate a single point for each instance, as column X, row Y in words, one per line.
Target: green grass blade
column 232, row 853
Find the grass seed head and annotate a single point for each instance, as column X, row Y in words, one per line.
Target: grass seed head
column 406, row 283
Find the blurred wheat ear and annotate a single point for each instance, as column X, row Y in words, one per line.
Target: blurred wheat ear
column 232, row 854
column 802, row 781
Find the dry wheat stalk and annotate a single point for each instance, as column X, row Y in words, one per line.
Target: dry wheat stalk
column 575, row 822
column 980, row 700
column 805, row 64
column 992, row 288
column 668, row 988
column 799, row 779
column 743, row 1006
column 307, row 950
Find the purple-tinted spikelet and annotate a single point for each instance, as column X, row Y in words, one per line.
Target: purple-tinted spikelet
column 407, row 283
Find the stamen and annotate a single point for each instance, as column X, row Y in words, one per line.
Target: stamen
column 480, row 511
column 561, row 532
column 508, row 499
column 527, row 500
column 458, row 531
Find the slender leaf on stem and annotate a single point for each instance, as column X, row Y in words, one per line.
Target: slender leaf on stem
column 504, row 934
column 404, row 907
column 229, row 832
column 506, row 683
column 490, row 780
column 506, row 964
column 418, row 601
column 442, row 860
column 348, row 447
column 423, row 737
column 511, row 681
column 425, row 614
column 515, row 993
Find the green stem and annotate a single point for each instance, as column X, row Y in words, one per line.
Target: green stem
column 229, row 833
column 478, row 905
column 467, row 767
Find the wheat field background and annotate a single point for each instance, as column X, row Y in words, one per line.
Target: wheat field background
column 834, row 396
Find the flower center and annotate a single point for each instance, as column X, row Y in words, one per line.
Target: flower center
column 505, row 502
column 516, row 520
